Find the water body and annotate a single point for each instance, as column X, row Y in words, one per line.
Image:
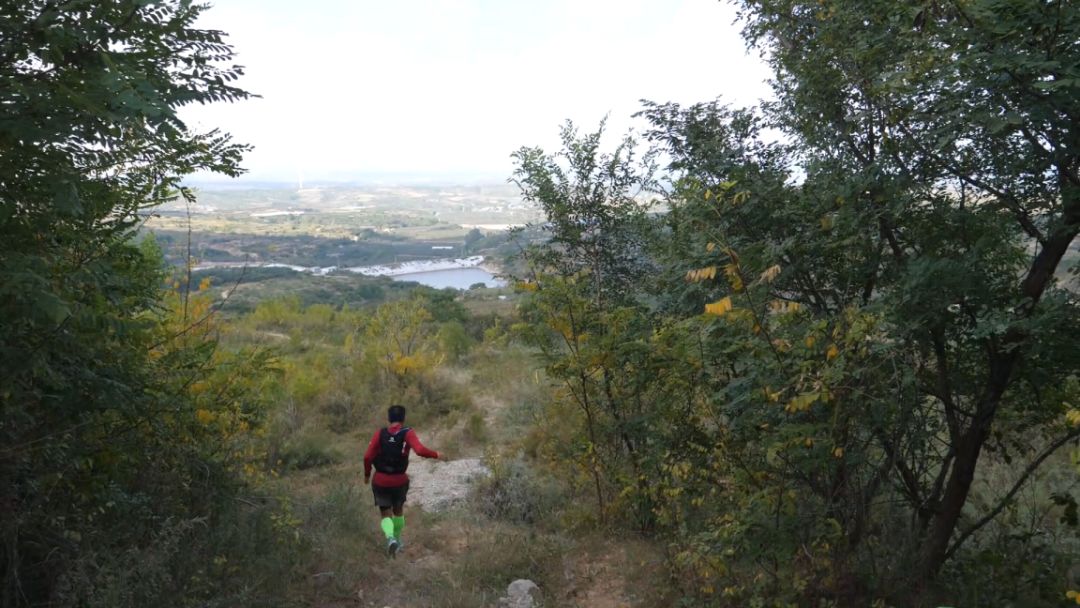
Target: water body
column 460, row 277
column 457, row 278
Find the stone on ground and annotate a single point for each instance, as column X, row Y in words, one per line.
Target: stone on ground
column 437, row 486
column 520, row 594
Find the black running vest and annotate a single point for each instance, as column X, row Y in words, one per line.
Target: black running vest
column 392, row 458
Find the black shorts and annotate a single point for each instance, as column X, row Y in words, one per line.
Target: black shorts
column 387, row 498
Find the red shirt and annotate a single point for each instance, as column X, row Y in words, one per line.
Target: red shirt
column 389, row 480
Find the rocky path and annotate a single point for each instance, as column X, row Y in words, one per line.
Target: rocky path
column 436, row 486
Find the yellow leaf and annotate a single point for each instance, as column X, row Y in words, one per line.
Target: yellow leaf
column 1073, row 417
column 700, row 274
column 770, row 273
column 710, row 247
column 204, row 416
column 833, row 352
column 838, row 453
column 810, row 340
column 801, row 403
column 719, row 307
column 784, row 307
column 402, row 364
column 734, row 278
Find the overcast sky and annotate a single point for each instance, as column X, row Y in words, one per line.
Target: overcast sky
column 451, row 87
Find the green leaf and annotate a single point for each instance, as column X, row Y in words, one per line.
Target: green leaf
column 54, row 308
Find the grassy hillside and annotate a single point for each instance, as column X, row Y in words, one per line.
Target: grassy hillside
column 477, row 394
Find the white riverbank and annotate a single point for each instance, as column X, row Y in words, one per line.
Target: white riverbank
column 384, row 270
column 418, row 266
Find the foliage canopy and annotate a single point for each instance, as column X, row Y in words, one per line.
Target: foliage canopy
column 840, row 336
column 125, row 430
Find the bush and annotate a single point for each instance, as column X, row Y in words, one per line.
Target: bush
column 342, row 412
column 454, row 341
column 476, row 428
column 307, row 450
column 235, row 548
column 477, row 581
column 341, row 511
column 515, row 493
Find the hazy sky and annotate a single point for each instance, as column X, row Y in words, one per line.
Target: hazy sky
column 452, row 87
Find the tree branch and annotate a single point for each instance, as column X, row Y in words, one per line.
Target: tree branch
column 1028, row 470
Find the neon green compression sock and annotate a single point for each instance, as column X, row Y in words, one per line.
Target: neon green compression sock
column 399, row 525
column 387, row 527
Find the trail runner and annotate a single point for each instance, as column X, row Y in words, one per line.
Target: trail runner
column 389, row 453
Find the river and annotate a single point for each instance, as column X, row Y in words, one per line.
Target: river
column 453, row 273
column 457, row 278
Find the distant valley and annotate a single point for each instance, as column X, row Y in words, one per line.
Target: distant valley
column 344, row 226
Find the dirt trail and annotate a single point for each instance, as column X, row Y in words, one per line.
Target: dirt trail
column 612, row 575
column 437, row 486
column 443, row 541
column 425, row 558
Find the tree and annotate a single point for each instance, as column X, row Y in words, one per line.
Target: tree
column 402, row 341
column 454, row 341
column 850, row 326
column 595, row 204
column 472, row 237
column 583, row 313
column 96, row 376
column 972, row 107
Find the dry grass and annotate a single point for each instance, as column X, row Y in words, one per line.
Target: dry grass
column 461, row 558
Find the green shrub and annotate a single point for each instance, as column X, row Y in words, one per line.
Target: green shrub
column 308, row 450
column 482, row 578
column 476, row 428
column 454, row 341
column 343, row 509
column 341, row 411
column 515, row 493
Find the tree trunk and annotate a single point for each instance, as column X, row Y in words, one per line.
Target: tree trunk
column 952, row 503
column 1003, row 358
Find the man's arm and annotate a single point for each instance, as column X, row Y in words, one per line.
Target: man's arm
column 369, row 456
column 414, row 442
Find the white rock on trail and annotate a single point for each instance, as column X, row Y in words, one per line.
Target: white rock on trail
column 437, row 485
column 519, row 594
